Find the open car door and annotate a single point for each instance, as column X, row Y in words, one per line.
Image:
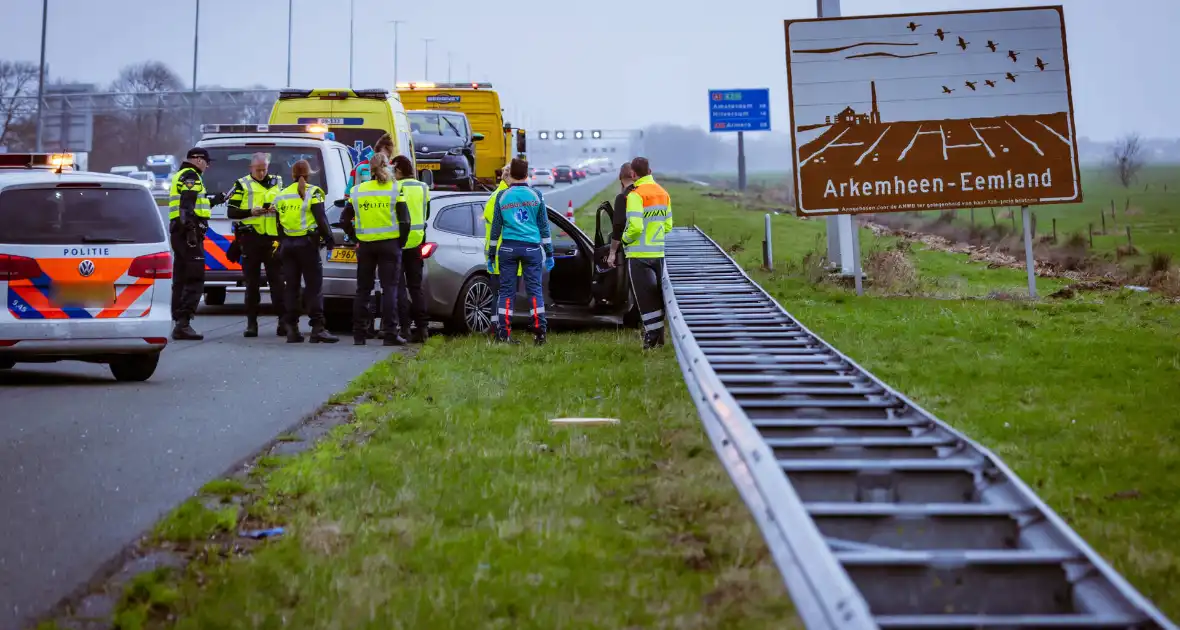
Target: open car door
column 610, row 284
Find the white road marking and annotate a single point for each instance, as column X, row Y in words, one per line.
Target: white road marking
column 1022, row 137
column 1054, row 132
column 871, row 148
column 829, row 145
column 982, row 141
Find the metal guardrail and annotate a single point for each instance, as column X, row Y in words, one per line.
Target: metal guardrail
column 878, row 514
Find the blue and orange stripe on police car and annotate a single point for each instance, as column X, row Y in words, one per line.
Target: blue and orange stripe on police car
column 217, row 252
column 35, row 298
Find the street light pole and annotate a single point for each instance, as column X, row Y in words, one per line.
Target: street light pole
column 351, row 32
column 426, row 69
column 448, row 67
column 192, row 116
column 41, row 75
column 395, row 24
column 290, row 28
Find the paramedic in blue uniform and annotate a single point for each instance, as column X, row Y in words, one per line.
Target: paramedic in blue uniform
column 520, row 225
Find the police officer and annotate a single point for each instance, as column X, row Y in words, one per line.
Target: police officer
column 649, row 219
column 520, row 218
column 377, row 217
column 188, row 218
column 303, row 227
column 416, row 196
column 258, row 234
column 488, row 214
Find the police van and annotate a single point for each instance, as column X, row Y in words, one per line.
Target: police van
column 85, row 268
column 231, row 148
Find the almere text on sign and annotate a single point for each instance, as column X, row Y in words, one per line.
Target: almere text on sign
column 932, row 111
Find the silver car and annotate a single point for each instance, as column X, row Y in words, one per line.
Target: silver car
column 458, row 291
column 542, row 177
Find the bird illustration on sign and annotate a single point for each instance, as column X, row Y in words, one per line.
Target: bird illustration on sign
column 1023, row 132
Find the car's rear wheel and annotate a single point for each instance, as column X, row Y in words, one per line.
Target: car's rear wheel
column 135, row 367
column 7, row 364
column 215, row 296
column 473, row 309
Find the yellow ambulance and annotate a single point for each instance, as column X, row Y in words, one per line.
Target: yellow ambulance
column 481, row 104
column 356, row 118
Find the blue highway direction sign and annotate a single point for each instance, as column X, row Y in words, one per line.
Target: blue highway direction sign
column 739, row 110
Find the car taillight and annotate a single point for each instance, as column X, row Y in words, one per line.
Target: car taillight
column 18, row 268
column 427, row 249
column 154, row 266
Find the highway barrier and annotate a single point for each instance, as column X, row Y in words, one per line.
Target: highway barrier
column 877, row 513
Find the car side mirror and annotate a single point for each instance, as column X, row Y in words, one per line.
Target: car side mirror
column 340, row 203
column 476, row 137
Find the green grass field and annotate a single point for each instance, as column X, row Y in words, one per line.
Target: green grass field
column 451, row 502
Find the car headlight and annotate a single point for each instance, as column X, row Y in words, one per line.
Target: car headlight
column 455, row 151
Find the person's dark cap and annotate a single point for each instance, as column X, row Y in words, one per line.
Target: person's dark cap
column 198, row 152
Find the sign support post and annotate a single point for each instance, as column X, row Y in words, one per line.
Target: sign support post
column 1029, row 262
column 741, row 161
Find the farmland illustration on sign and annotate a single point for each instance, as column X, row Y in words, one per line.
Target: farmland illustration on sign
column 931, row 111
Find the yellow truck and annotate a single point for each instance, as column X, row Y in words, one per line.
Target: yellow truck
column 501, row 142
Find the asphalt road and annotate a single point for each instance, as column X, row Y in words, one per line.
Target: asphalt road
column 88, row 464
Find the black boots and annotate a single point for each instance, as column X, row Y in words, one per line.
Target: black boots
column 183, row 331
column 251, row 329
column 281, row 330
column 293, row 334
column 393, row 339
column 652, row 340
column 419, row 335
column 320, row 335
column 539, row 338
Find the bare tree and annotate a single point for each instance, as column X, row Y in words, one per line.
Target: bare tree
column 1127, row 159
column 156, row 129
column 18, row 82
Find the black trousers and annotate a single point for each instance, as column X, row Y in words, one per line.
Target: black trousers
column 300, row 259
column 258, row 251
column 645, row 276
column 188, row 274
column 377, row 260
column 411, row 303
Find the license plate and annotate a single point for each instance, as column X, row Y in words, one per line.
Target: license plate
column 343, row 255
column 427, row 166
column 86, row 296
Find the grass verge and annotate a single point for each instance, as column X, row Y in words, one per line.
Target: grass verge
column 451, row 502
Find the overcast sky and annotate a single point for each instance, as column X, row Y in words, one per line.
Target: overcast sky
column 568, row 64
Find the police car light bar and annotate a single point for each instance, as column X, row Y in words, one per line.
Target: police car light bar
column 59, row 161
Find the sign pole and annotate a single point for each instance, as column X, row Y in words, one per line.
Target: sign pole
column 856, row 268
column 741, row 161
column 1029, row 262
column 839, row 226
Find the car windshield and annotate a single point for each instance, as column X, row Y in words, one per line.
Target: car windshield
column 160, row 169
column 231, row 163
column 436, row 124
column 63, row 216
column 144, row 175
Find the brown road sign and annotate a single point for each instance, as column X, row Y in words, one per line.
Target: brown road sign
column 923, row 111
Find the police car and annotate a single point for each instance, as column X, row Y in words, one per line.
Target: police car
column 85, row 268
